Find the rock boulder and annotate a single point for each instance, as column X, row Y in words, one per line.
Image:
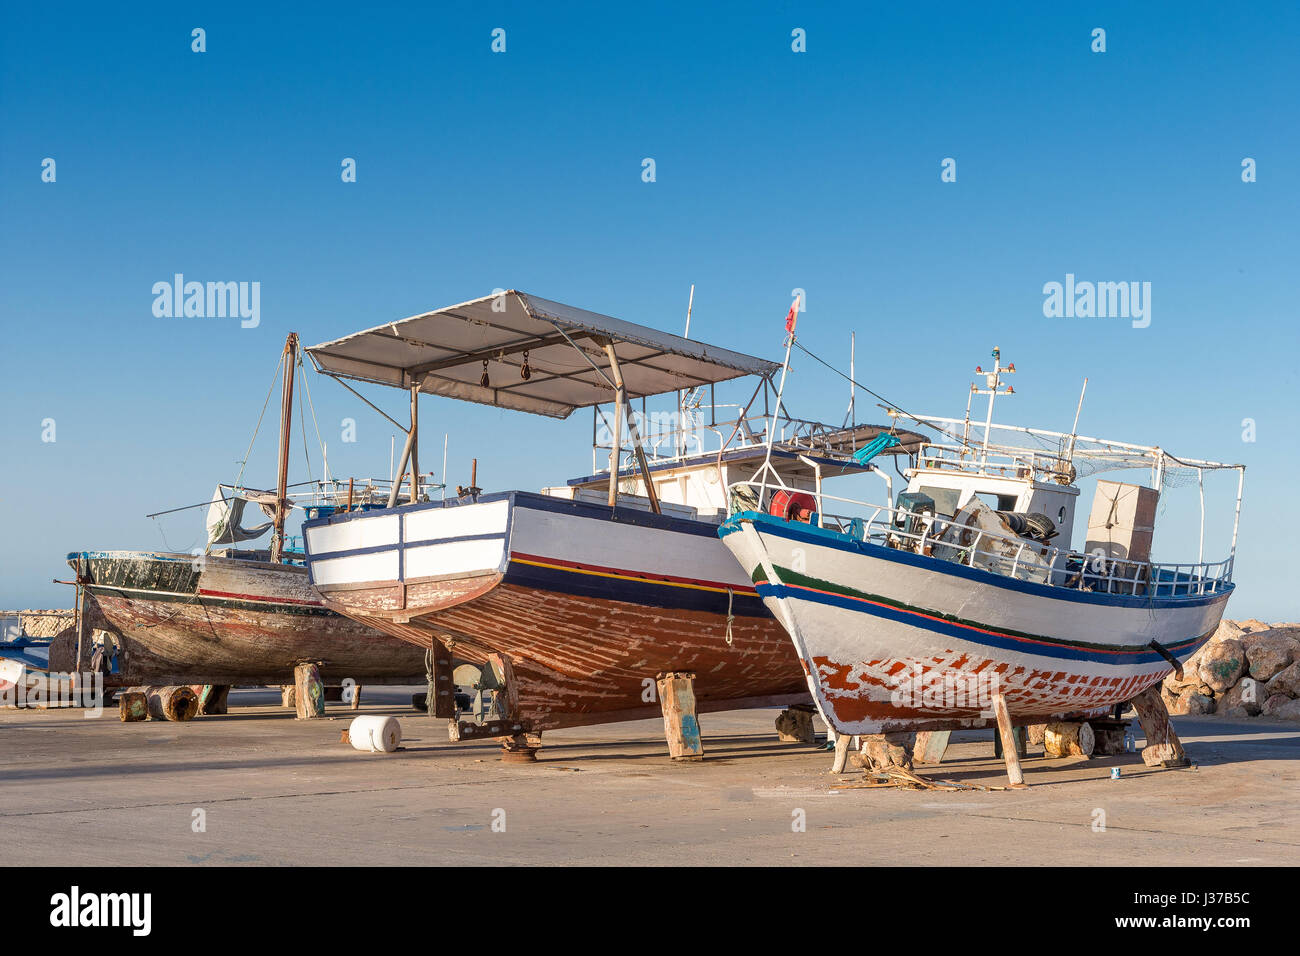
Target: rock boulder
column 1222, row 664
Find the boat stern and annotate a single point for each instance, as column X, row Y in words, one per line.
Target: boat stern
column 428, row 555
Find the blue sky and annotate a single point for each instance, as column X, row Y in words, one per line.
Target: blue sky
column 774, row 170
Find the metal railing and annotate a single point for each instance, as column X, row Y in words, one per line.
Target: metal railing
column 1006, row 554
column 664, row 436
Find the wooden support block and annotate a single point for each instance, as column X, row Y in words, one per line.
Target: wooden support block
column 795, row 726
column 681, row 725
column 1163, row 749
column 931, row 746
column 212, row 697
column 1067, row 738
column 309, row 692
column 356, row 697
column 286, row 695
column 458, row 730
column 1009, row 749
column 1034, row 733
column 133, row 706
column 170, row 702
column 444, row 686
column 518, row 749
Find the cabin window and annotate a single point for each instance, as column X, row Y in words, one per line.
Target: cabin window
column 997, row 502
column 945, row 499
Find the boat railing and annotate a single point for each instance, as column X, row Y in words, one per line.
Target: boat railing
column 937, row 456
column 672, row 436
column 360, row 492
column 942, row 538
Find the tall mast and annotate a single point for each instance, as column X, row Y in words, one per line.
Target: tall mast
column 286, row 423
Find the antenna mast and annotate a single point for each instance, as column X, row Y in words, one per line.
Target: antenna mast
column 993, row 381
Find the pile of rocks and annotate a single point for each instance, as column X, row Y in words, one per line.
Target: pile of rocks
column 1247, row 669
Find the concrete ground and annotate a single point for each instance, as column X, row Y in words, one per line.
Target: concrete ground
column 274, row 790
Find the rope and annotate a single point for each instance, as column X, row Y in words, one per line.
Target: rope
column 302, row 427
column 269, row 392
column 893, row 405
column 315, row 424
column 731, row 596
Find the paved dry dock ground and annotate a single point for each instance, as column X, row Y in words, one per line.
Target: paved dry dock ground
column 280, row 791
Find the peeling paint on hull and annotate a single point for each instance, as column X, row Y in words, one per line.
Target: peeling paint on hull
column 225, row 620
column 893, row 641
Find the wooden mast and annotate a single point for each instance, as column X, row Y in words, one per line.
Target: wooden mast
column 286, row 422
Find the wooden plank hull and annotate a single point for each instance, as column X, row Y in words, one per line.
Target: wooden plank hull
column 182, row 619
column 894, row 641
column 590, row 605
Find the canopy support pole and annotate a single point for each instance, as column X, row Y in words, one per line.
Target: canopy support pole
column 401, row 469
column 415, row 441
column 622, row 408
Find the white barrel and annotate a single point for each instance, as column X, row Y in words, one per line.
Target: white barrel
column 375, row 734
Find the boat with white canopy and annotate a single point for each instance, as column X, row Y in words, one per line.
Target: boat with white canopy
column 582, row 594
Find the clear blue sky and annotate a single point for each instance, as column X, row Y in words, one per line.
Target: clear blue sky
column 775, row 170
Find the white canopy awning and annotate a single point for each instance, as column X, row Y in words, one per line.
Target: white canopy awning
column 444, row 352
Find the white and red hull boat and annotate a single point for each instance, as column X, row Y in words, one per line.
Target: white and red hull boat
column 589, row 604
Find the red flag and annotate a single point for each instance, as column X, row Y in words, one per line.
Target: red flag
column 792, row 316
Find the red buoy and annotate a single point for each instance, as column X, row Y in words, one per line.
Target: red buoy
column 792, row 505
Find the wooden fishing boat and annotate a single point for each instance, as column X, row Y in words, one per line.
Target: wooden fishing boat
column 232, row 615
column 235, row 619
column 587, row 592
column 919, row 614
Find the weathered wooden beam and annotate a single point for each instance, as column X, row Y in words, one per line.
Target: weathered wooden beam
column 1163, row 749
column 459, row 730
column 286, row 695
column 931, row 745
column 1009, row 749
column 681, row 725
column 842, row 744
column 309, row 692
column 444, row 686
column 212, row 697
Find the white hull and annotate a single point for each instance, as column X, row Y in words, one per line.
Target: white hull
column 893, row 641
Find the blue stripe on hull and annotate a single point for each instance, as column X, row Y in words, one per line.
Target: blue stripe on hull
column 1139, row 655
column 811, row 534
column 647, row 593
